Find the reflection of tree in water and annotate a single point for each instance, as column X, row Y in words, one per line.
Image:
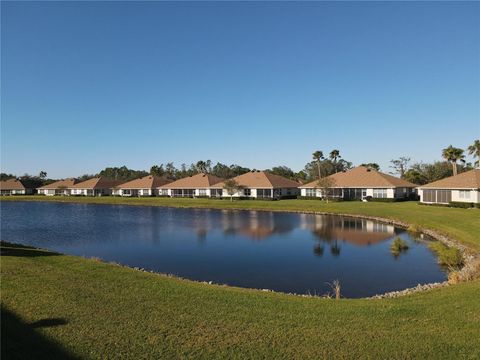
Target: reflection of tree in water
column 333, row 230
column 202, row 235
column 335, row 249
column 318, row 250
column 325, row 233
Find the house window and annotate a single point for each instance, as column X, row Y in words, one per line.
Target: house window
column 310, row 192
column 380, row 193
column 202, row 192
column 464, row 194
column 164, row 192
column 264, row 193
column 216, row 192
column 126, row 192
column 247, row 192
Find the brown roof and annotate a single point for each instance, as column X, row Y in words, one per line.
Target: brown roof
column 198, row 181
column 11, row 184
column 96, row 183
column 146, row 182
column 363, row 177
column 262, row 179
column 467, row 180
column 59, row 184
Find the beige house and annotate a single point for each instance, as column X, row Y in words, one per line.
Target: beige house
column 94, row 187
column 145, row 186
column 464, row 187
column 261, row 184
column 61, row 187
column 362, row 182
column 14, row 187
column 199, row 185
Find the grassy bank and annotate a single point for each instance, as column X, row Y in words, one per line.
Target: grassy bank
column 61, row 306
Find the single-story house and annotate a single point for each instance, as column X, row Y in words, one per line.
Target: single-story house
column 261, row 184
column 360, row 183
column 464, row 187
column 14, row 187
column 145, row 186
column 94, row 187
column 61, row 187
column 193, row 186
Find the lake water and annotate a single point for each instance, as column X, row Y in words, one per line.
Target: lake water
column 286, row 252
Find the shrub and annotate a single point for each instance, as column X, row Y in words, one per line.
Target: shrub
column 414, row 229
column 447, row 256
column 398, row 246
column 463, row 205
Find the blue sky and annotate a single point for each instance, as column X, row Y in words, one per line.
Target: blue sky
column 89, row 85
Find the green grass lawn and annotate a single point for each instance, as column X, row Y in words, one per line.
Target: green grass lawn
column 57, row 306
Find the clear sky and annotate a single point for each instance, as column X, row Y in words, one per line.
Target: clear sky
column 87, row 85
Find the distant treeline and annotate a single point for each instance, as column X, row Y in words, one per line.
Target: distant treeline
column 320, row 166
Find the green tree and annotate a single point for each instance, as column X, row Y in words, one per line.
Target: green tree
column 201, row 166
column 284, row 171
column 373, row 166
column 170, row 171
column 5, row 176
column 157, row 170
column 318, row 156
column 453, row 155
column 334, row 156
column 474, row 150
column 232, row 187
column 42, row 175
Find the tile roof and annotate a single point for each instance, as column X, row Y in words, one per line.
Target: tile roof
column 363, row 177
column 96, row 183
column 146, row 182
column 199, row 181
column 262, row 179
column 467, row 180
column 11, row 184
column 59, row 184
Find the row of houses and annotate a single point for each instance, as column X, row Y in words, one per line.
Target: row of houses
column 359, row 183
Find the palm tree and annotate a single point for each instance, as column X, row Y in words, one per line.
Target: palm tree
column 474, row 150
column 318, row 156
column 334, row 155
column 452, row 155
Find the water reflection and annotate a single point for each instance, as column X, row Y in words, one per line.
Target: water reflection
column 281, row 251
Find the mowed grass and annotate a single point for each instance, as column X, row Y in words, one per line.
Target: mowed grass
column 57, row 306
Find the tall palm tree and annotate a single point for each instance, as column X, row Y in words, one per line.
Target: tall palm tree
column 318, row 156
column 452, row 155
column 334, row 156
column 474, row 150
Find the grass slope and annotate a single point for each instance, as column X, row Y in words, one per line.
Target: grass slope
column 57, row 306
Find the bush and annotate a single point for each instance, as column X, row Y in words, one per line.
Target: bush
column 463, row 205
column 447, row 256
column 414, row 229
column 308, row 197
column 285, row 197
column 398, row 246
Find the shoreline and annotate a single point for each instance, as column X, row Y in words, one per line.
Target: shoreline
column 468, row 271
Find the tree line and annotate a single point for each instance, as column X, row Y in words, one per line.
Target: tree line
column 321, row 166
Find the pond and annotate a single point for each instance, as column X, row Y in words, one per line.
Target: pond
column 288, row 252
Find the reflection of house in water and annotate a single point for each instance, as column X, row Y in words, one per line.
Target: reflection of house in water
column 360, row 232
column 256, row 225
